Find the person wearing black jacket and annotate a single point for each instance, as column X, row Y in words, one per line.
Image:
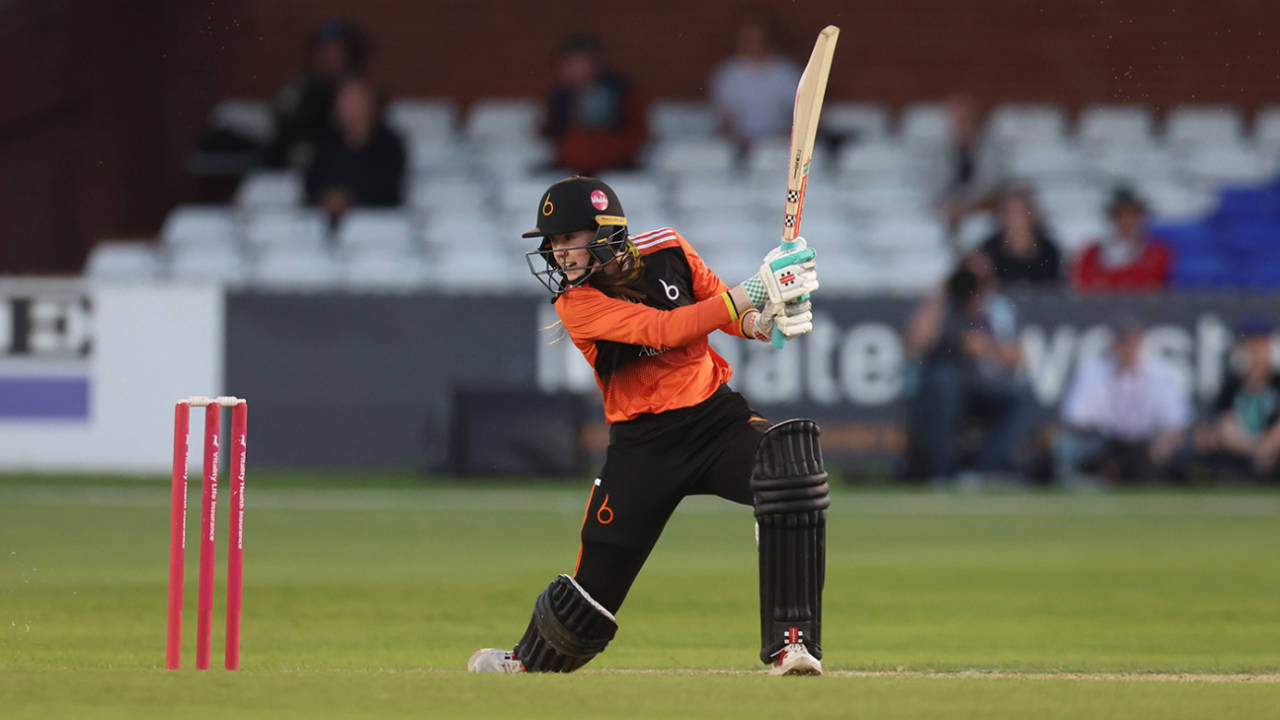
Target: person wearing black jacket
column 359, row 161
column 1021, row 251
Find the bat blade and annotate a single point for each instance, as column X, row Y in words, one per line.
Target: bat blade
column 804, row 130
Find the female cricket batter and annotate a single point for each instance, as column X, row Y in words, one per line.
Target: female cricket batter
column 640, row 309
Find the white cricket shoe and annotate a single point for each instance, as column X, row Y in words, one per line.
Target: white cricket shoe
column 492, row 660
column 796, row 660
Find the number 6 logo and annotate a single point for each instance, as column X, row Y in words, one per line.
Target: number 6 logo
column 673, row 292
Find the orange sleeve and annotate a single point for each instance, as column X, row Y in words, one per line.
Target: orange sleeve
column 589, row 314
column 707, row 284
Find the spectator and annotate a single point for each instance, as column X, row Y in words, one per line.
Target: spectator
column 1125, row 413
column 359, row 161
column 972, row 171
column 1247, row 412
column 303, row 108
column 595, row 116
column 966, row 338
column 1021, row 252
column 1128, row 261
column 754, row 91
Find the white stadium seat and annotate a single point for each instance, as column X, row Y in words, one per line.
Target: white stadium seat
column 1115, row 125
column 891, row 197
column 1017, row 122
column 196, row 262
column 447, row 194
column 265, row 189
column 429, row 157
column 925, row 123
column 1228, row 164
column 199, row 225
column 907, row 234
column 1073, row 233
column 1128, row 163
column 635, row 190
column 1188, row 125
column 296, row 268
column 1071, row 199
column 423, row 120
column 975, row 229
column 695, row 199
column 1266, row 129
column 466, row 230
column 1034, row 160
column 855, row 120
column 251, row 118
column 301, row 229
column 678, row 119
column 391, row 272
column 1171, row 200
column 497, row 120
column 874, row 162
column 369, row 231
column 122, row 261
column 681, row 157
column 517, row 156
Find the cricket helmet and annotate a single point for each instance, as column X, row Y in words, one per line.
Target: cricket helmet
column 573, row 204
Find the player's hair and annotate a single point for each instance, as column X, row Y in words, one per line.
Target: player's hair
column 625, row 284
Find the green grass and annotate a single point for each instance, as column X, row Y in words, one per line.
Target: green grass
column 365, row 595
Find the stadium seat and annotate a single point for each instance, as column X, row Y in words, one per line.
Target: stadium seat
column 974, row 230
column 515, row 157
column 463, row 231
column 452, row 193
column 886, row 198
column 1111, row 125
column 872, row 162
column 364, row 231
column 379, row 271
column 492, row 121
column 1073, row 233
column 1171, row 200
column 906, row 234
column 855, row 121
column 199, row 225
column 250, row 118
column 1024, row 122
column 520, row 195
column 1228, row 163
column 672, row 119
column 1128, row 163
column 298, row 229
column 912, row 272
column 223, row 264
column 682, row 157
column 433, row 157
column 427, row 121
column 122, row 261
column 1034, row 160
column 694, row 199
column 1266, row 130
column 925, row 124
column 296, row 268
column 267, row 189
column 1190, row 125
column 767, row 162
column 1071, row 199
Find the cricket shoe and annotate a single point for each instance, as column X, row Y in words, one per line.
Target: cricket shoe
column 795, row 659
column 492, row 660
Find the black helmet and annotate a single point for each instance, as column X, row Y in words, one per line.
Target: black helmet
column 570, row 205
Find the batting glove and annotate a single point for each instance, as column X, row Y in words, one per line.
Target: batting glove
column 792, row 319
column 786, row 275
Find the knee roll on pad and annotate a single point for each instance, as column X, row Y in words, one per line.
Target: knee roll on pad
column 791, row 500
column 567, row 629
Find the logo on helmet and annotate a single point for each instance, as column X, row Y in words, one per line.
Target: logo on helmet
column 547, row 207
column 599, row 200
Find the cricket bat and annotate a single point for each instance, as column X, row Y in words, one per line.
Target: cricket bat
column 804, row 128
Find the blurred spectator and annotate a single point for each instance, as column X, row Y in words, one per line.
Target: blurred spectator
column 359, row 160
column 1129, row 260
column 754, row 91
column 304, row 107
column 972, row 170
column 1247, row 411
column 1021, row 251
column 595, row 115
column 1125, row 414
column 966, row 338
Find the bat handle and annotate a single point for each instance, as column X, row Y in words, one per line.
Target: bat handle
column 779, row 339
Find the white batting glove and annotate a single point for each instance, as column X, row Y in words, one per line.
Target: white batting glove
column 785, row 275
column 792, row 319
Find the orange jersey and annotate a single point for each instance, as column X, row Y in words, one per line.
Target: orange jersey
column 651, row 356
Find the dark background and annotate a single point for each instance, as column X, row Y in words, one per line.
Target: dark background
column 102, row 100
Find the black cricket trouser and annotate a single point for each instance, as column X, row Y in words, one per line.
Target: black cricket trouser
column 654, row 462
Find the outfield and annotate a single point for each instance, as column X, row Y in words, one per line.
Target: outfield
column 367, row 602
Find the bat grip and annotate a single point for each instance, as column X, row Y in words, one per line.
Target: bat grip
column 779, row 340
